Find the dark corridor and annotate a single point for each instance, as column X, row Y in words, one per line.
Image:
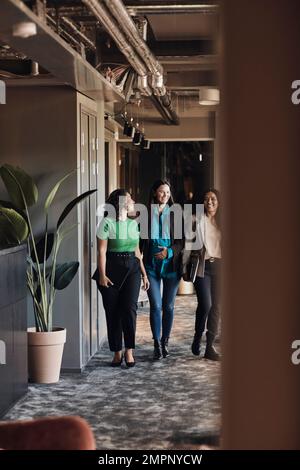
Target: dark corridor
column 189, row 166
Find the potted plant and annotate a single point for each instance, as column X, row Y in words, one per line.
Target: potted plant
column 45, row 276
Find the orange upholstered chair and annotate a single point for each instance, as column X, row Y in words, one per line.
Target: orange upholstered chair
column 50, row 433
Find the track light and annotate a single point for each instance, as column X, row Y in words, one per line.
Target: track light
column 137, row 137
column 145, row 144
column 24, row 29
column 130, row 131
column 125, row 128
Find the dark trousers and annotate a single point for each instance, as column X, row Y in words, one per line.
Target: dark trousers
column 121, row 305
column 208, row 296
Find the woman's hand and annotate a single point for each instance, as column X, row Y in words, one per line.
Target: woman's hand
column 104, row 281
column 146, row 283
column 162, row 254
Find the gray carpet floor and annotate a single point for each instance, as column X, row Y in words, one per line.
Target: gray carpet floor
column 169, row 404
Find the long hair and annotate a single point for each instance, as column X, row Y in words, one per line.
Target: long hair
column 218, row 196
column 114, row 200
column 154, row 187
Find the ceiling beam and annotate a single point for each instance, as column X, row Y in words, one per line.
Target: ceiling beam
column 180, row 48
column 169, row 52
column 53, row 53
column 191, row 80
column 163, row 7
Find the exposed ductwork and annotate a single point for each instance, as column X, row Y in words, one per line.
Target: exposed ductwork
column 74, row 42
column 120, row 26
column 82, row 37
column 117, row 8
column 113, row 29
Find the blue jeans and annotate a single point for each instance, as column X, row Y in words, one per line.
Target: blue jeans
column 162, row 303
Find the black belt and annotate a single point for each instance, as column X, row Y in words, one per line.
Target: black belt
column 212, row 260
column 121, row 254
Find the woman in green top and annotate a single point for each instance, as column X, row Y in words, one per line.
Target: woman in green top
column 120, row 257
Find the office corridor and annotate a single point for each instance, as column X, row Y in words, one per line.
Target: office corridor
column 170, row 404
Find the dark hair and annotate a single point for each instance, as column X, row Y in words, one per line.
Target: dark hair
column 153, row 190
column 218, row 195
column 114, row 200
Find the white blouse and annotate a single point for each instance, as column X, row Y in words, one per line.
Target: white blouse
column 211, row 238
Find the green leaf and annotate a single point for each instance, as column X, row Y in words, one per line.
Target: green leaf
column 40, row 248
column 32, row 267
column 64, row 274
column 73, row 203
column 54, row 190
column 64, row 233
column 13, row 227
column 10, row 205
column 16, row 181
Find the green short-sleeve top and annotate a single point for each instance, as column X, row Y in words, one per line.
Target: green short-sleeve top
column 122, row 235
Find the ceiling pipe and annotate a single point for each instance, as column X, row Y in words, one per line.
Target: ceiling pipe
column 69, row 10
column 171, row 9
column 167, row 112
column 135, row 50
column 112, row 28
column 118, row 10
column 60, row 31
column 82, row 37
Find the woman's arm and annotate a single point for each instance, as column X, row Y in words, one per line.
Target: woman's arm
column 102, row 248
column 178, row 243
column 146, row 283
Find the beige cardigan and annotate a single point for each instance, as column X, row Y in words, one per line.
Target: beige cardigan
column 194, row 243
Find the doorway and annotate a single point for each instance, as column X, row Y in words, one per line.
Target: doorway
column 89, row 173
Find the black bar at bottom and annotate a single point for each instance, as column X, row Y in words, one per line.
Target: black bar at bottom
column 133, row 459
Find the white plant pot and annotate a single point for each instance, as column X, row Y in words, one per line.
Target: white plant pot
column 45, row 350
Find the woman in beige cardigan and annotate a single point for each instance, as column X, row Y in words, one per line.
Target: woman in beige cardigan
column 207, row 280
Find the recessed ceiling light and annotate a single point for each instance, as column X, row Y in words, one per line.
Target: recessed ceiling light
column 24, row 29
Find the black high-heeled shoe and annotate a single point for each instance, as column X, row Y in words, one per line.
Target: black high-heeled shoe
column 128, row 363
column 117, row 363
